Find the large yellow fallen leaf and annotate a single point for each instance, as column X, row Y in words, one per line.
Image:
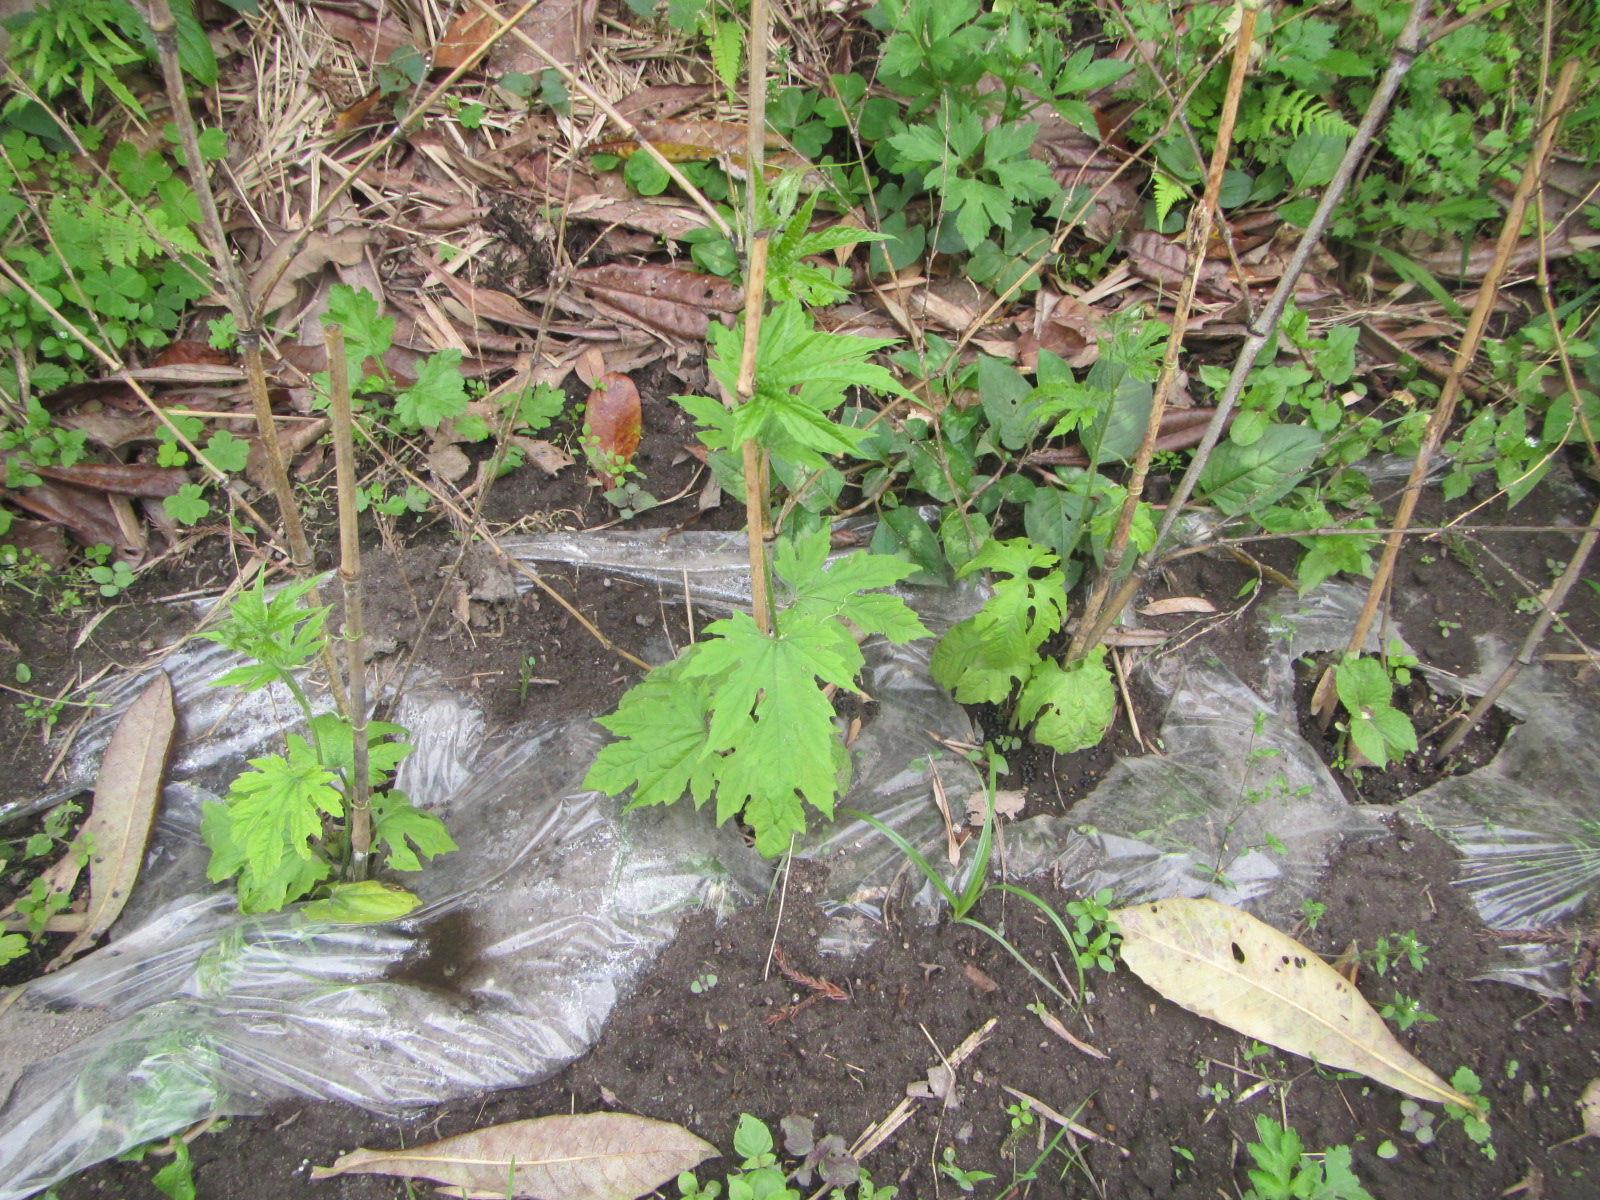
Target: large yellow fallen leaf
column 1224, row 964
column 589, row 1156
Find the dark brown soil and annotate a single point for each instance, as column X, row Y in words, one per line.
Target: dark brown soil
column 1170, row 1091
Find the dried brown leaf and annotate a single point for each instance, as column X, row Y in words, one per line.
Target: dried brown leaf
column 589, row 1156
column 87, row 514
column 1007, row 803
column 125, row 799
column 612, row 417
column 664, row 299
column 373, row 41
column 486, row 302
column 980, row 980
column 562, row 28
column 346, row 247
column 1177, row 604
column 548, row 457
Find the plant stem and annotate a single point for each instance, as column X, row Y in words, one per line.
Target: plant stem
column 1444, row 411
column 755, row 294
column 1406, row 49
column 344, row 457
column 1096, row 616
column 164, row 28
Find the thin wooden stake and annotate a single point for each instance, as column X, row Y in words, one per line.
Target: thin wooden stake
column 1096, row 618
column 1322, row 703
column 355, row 646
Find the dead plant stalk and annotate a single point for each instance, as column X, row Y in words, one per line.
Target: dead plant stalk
column 1322, row 702
column 1406, row 48
column 344, row 458
column 755, row 292
column 1201, row 218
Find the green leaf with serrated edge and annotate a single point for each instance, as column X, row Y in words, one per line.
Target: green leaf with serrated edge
column 1074, row 704
column 335, row 740
column 363, row 903
column 1398, row 734
column 1239, row 478
column 439, row 393
column 407, row 831
column 662, row 750
column 188, row 506
column 1331, row 554
column 278, row 806
column 978, row 669
column 1122, row 403
column 1023, row 610
column 366, row 334
column 846, row 587
column 227, row 453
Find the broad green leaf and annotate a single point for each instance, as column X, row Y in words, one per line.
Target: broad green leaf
column 904, row 534
column 365, row 903
column 438, row 394
column 978, row 669
column 662, row 750
column 847, row 587
column 1363, row 684
column 1123, row 402
column 1073, row 704
column 407, row 831
column 278, row 806
column 1240, row 478
column 1007, row 401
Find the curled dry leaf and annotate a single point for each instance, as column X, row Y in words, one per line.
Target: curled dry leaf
column 1008, row 803
column 1178, row 604
column 562, row 27
column 87, row 514
column 612, row 418
column 486, row 302
column 664, row 299
column 345, row 247
column 1227, row 966
column 722, row 141
column 590, row 1156
column 125, row 798
column 547, row 456
column 1053, row 1023
column 374, row 41
column 981, row 980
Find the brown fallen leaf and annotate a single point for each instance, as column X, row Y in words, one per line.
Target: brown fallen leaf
column 1228, row 966
column 358, row 113
column 1053, row 1023
column 664, row 299
column 589, row 1156
column 662, row 218
column 563, row 28
column 1007, row 803
column 293, row 440
column 346, row 247
column 612, row 419
column 1177, row 604
column 38, row 537
column 87, row 514
column 486, row 302
column 125, row 798
column 980, row 980
column 1589, row 1108
column 547, row 456
column 125, row 479
column 465, row 37
column 374, row 41
column 720, row 141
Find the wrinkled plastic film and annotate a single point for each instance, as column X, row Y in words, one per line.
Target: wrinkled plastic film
column 1238, row 808
column 1528, row 823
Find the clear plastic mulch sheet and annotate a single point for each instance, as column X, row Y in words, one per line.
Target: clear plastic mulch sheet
column 557, row 899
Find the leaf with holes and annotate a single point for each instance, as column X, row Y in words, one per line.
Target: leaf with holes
column 1231, row 968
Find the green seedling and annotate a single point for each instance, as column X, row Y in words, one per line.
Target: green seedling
column 966, row 1180
column 701, row 984
column 1312, row 911
column 1405, row 1011
column 1379, row 730
column 1417, row 1121
column 280, row 831
column 1392, row 949
column 1474, row 1120
column 525, row 670
column 1283, row 1170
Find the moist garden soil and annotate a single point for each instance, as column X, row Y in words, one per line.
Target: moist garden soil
column 1169, row 1092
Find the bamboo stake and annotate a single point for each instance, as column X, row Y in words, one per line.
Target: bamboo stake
column 1322, row 702
column 245, row 320
column 344, row 457
column 1096, row 617
column 1406, row 48
column 755, row 295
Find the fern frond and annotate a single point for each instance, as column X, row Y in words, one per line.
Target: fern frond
column 1289, row 112
column 1168, row 192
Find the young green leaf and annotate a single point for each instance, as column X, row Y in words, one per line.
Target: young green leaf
column 438, row 394
column 1074, row 704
